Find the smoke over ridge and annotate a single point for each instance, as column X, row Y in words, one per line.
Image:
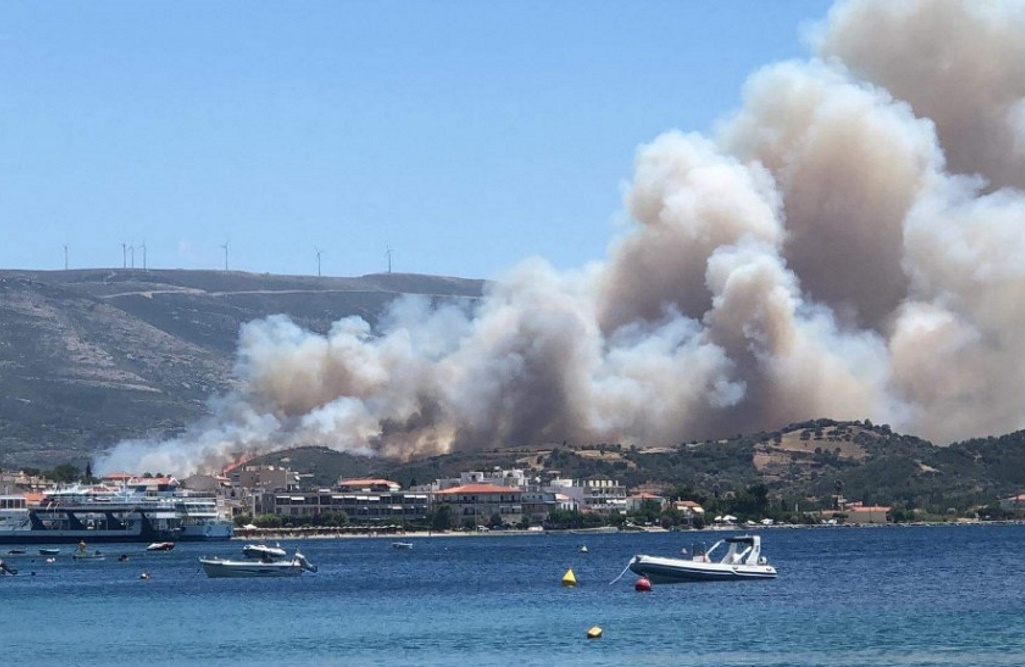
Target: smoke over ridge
column 849, row 244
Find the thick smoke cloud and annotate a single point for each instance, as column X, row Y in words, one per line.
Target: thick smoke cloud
column 849, row 244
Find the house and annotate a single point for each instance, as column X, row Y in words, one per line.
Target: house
column 635, row 502
column 1015, row 504
column 858, row 513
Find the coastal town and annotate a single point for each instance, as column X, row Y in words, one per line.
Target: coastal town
column 250, row 500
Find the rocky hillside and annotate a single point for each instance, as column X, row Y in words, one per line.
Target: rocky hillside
column 91, row 357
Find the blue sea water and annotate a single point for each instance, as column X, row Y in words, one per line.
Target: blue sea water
column 847, row 597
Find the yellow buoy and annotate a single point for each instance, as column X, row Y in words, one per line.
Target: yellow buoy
column 569, row 579
column 594, row 633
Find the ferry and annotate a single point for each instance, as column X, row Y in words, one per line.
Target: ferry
column 103, row 514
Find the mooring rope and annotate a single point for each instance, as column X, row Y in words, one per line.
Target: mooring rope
column 625, row 569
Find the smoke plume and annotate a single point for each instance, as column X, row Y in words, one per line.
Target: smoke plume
column 849, row 244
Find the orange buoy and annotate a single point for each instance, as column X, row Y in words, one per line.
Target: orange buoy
column 643, row 585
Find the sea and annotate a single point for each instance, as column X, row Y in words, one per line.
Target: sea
column 935, row 595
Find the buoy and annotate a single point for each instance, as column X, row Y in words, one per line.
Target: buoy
column 569, row 579
column 594, row 633
column 583, row 549
column 643, row 585
column 144, row 575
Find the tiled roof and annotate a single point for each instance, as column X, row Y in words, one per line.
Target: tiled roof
column 479, row 489
column 365, row 482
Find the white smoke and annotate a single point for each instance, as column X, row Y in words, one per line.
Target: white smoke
column 848, row 245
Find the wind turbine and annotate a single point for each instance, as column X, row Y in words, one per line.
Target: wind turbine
column 124, row 255
column 225, row 246
column 389, row 258
column 318, row 261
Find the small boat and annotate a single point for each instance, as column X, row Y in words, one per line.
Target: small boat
column 264, row 552
column 83, row 554
column 49, row 552
column 742, row 560
column 160, row 546
column 16, row 552
column 401, row 545
column 217, row 568
column 583, row 549
column 95, row 556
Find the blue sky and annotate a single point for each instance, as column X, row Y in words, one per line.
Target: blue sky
column 466, row 136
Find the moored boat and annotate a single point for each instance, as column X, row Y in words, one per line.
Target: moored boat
column 106, row 514
column 218, row 568
column 264, row 552
column 160, row 546
column 742, row 560
column 401, row 545
column 49, row 552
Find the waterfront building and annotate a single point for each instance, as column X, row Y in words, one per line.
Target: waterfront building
column 477, row 503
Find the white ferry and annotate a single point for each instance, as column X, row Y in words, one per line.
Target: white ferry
column 97, row 513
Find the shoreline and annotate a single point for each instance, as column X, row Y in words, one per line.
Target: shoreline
column 263, row 534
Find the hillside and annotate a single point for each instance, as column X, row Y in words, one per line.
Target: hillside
column 805, row 463
column 90, row 357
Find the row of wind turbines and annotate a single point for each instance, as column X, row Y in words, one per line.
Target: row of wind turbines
column 128, row 256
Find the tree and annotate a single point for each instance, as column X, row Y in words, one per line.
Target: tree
column 442, row 519
column 495, row 521
column 65, row 473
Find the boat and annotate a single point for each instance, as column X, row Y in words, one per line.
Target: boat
column 160, row 546
column 401, row 545
column 264, row 552
column 742, row 560
column 49, row 552
column 217, row 568
column 106, row 514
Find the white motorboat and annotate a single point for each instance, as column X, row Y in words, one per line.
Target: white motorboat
column 742, row 560
column 401, row 545
column 264, row 552
column 160, row 546
column 217, row 568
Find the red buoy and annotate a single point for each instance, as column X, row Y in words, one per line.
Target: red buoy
column 643, row 585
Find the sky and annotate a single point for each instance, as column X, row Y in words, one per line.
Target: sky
column 465, row 137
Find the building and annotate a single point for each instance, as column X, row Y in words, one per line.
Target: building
column 475, row 504
column 603, row 496
column 858, row 513
column 635, row 502
column 367, row 486
column 1014, row 504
